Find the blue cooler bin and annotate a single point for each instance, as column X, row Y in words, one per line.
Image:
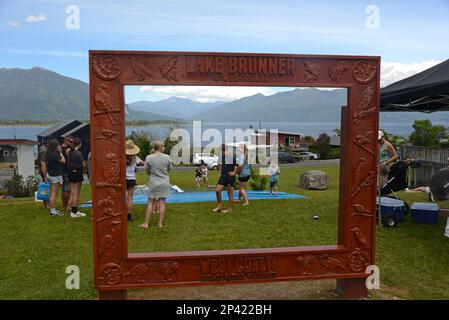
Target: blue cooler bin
column 422, row 212
column 393, row 211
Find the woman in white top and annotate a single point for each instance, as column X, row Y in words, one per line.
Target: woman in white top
column 132, row 161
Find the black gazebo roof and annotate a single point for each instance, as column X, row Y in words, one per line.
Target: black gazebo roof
column 427, row 91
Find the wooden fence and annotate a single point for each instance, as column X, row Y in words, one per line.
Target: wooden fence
column 432, row 159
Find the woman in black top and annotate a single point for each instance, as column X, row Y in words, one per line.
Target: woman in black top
column 76, row 168
column 52, row 171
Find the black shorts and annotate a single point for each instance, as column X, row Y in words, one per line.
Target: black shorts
column 273, row 183
column 75, row 176
column 130, row 183
column 226, row 180
column 244, row 179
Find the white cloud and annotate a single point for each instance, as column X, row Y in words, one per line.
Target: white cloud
column 395, row 71
column 12, row 23
column 75, row 54
column 205, row 93
column 390, row 73
column 36, row 18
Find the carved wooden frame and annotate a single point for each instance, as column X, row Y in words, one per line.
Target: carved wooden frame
column 117, row 270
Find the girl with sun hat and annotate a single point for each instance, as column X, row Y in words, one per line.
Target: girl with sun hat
column 132, row 161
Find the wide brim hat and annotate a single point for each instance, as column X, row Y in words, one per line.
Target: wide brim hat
column 380, row 135
column 130, row 148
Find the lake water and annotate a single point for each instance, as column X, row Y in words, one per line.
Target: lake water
column 160, row 131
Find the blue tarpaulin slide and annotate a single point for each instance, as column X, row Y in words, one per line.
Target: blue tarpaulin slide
column 192, row 197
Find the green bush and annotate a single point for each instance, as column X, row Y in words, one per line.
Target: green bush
column 257, row 182
column 18, row 187
column 334, row 153
column 143, row 140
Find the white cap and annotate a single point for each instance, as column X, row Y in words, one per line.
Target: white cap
column 380, row 135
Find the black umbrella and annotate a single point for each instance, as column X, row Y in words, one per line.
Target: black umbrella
column 439, row 185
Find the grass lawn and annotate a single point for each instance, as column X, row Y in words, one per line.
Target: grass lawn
column 36, row 248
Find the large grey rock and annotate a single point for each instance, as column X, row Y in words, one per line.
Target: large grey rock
column 314, row 180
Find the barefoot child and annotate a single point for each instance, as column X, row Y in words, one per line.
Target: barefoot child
column 198, row 175
column 229, row 170
column 204, row 173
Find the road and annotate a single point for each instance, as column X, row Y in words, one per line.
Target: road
column 312, row 163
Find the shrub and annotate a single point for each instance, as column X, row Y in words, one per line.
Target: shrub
column 257, row 182
column 143, row 140
column 334, row 153
column 18, row 187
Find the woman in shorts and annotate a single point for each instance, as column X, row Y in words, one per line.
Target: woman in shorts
column 76, row 168
column 52, row 171
column 132, row 161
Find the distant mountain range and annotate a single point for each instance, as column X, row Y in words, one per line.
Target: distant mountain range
column 174, row 107
column 42, row 95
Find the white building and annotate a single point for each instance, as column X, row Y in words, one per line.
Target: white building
column 18, row 154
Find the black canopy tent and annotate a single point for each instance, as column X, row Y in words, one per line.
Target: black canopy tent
column 427, row 91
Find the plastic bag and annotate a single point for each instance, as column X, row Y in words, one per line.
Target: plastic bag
column 43, row 191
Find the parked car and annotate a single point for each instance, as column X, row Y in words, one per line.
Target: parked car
column 285, row 157
column 209, row 159
column 309, row 155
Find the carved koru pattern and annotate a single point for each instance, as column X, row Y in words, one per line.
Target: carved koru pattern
column 107, row 241
column 103, row 105
column 364, row 140
column 140, row 70
column 168, row 69
column 305, row 264
column 363, row 177
column 360, row 210
column 364, row 71
column 336, row 70
column 358, row 261
column 311, row 71
column 106, row 207
column 106, row 67
column 108, row 136
column 365, row 106
column 154, row 272
column 111, row 274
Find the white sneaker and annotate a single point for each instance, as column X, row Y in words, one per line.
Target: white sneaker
column 77, row 215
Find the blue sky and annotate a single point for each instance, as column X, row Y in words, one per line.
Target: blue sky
column 412, row 35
